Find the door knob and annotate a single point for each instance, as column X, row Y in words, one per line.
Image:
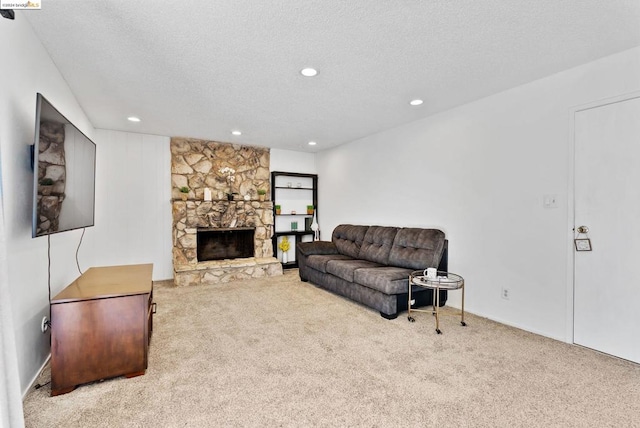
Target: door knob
column 582, row 229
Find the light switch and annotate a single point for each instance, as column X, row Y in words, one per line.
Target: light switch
column 550, row 201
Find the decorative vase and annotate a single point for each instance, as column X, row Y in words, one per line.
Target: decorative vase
column 285, row 259
column 315, row 227
column 261, row 198
column 230, row 196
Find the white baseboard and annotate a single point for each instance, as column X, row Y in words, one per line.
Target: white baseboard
column 33, row 381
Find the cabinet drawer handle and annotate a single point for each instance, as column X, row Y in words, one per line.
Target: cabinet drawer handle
column 154, row 307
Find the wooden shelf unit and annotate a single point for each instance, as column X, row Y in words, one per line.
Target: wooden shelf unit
column 293, row 197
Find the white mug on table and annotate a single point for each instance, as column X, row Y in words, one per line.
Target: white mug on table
column 431, row 273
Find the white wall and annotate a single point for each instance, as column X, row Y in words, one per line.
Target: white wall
column 479, row 172
column 133, row 202
column 291, row 161
column 27, row 69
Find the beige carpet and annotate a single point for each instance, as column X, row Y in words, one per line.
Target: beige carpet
column 278, row 352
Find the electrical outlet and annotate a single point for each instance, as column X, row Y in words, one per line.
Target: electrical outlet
column 505, row 293
column 44, row 326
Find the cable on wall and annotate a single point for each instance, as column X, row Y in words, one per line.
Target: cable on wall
column 78, row 250
column 48, row 322
column 49, row 266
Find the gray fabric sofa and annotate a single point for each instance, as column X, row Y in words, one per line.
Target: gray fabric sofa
column 371, row 264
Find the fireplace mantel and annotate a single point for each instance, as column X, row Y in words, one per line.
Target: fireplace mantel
column 223, row 229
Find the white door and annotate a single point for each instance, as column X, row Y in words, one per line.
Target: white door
column 607, row 201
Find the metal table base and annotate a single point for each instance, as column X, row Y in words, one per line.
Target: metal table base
column 443, row 281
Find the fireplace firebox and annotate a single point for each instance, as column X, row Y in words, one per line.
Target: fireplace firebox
column 225, row 243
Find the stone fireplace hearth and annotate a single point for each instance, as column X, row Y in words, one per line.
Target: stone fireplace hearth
column 201, row 165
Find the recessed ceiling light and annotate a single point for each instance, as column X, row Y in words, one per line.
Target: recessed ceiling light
column 312, row 143
column 236, row 132
column 415, row 102
column 309, row 72
column 133, row 119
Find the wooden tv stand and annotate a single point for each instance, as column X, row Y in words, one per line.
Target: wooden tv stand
column 101, row 326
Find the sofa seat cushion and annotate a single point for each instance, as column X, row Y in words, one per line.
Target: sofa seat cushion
column 386, row 279
column 345, row 268
column 319, row 261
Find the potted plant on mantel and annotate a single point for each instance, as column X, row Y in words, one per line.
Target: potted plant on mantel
column 229, row 174
column 184, row 193
column 261, row 194
column 309, row 209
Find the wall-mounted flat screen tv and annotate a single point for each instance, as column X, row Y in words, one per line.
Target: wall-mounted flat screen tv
column 64, row 165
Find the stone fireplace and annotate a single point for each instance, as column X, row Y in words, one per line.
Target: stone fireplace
column 228, row 237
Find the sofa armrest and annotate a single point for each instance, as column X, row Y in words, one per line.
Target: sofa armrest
column 316, row 247
column 306, row 249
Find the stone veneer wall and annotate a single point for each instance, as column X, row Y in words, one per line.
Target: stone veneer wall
column 197, row 164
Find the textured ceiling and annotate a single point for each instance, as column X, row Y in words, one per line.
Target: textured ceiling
column 202, row 68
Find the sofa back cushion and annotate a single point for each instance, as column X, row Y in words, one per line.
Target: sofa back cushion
column 377, row 244
column 417, row 248
column 348, row 239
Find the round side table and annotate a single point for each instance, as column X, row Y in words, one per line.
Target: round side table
column 442, row 281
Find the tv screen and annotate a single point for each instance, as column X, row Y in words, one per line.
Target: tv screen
column 64, row 173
